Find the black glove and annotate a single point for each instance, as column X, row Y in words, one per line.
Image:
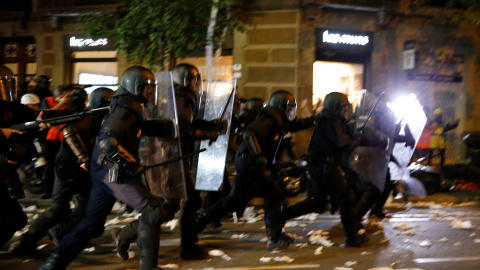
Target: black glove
column 260, row 161
column 136, row 170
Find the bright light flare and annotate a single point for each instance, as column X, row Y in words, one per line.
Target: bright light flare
column 405, row 105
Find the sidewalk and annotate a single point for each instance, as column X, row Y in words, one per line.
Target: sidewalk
column 454, row 197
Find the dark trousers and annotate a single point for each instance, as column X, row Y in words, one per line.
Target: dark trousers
column 251, row 180
column 70, row 180
column 102, row 198
column 12, row 217
column 331, row 178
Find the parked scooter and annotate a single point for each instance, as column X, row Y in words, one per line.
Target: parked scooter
column 447, row 178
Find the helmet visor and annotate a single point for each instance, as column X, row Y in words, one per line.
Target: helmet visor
column 150, row 91
column 348, row 110
column 291, row 111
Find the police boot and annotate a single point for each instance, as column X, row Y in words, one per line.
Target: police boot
column 54, row 262
column 123, row 237
column 203, row 219
column 352, row 239
column 377, row 213
column 189, row 237
column 278, row 240
column 25, row 248
column 149, row 242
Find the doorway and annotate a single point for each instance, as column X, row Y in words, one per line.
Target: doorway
column 343, row 77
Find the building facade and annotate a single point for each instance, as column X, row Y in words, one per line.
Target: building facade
column 307, row 47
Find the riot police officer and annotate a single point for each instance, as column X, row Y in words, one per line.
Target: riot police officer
column 254, row 164
column 14, row 149
column 115, row 172
column 42, row 89
column 187, row 91
column 253, row 107
column 72, row 178
column 330, row 141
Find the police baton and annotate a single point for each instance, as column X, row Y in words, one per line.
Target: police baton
column 225, row 108
column 175, row 159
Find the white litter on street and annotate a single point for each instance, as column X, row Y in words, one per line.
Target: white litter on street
column 350, row 263
column 172, row 224
column 425, row 243
column 170, row 266
column 276, row 259
column 91, row 249
column 318, row 251
column 216, row 253
column 240, row 236
column 113, row 221
column 318, row 238
column 283, row 259
column 461, row 225
column 403, row 226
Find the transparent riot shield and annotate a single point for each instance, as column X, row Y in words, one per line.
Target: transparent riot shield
column 370, row 162
column 209, row 166
column 412, row 119
column 8, row 84
column 167, row 181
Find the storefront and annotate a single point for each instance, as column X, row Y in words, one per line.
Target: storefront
column 342, row 62
column 91, row 62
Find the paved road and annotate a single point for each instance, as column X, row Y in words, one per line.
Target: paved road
column 417, row 236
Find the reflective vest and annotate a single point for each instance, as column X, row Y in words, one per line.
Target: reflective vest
column 54, row 133
column 425, row 138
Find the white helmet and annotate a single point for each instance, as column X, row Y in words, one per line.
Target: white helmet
column 30, row 99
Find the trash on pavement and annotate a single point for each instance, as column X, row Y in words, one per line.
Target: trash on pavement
column 461, row 225
column 425, row 243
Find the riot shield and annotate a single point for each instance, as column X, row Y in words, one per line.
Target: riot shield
column 209, row 166
column 377, row 121
column 412, row 119
column 167, row 181
column 415, row 187
column 8, row 84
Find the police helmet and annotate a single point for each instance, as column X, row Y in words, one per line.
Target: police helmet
column 100, row 97
column 43, row 81
column 284, row 102
column 187, row 75
column 30, row 99
column 187, row 93
column 255, row 105
column 79, row 98
column 335, row 103
column 8, row 84
column 138, row 81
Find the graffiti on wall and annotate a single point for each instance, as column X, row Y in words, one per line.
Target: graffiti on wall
column 439, row 63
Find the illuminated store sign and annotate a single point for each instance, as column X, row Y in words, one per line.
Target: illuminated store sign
column 344, row 39
column 81, row 42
